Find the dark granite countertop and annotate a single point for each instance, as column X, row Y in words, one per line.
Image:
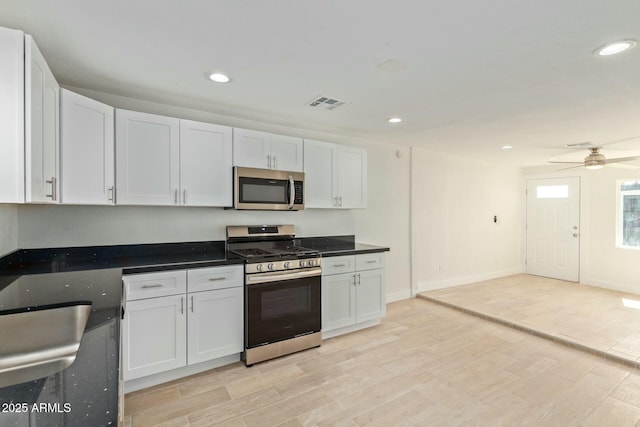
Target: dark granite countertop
column 86, row 393
column 339, row 245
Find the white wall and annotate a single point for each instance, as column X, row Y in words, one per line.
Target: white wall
column 8, row 229
column 601, row 262
column 454, row 200
column 385, row 222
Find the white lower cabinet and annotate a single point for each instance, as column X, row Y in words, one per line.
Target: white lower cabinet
column 166, row 332
column 154, row 336
column 353, row 292
column 215, row 324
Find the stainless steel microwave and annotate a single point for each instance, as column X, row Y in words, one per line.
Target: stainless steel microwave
column 266, row 189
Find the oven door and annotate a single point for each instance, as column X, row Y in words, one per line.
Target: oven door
column 282, row 306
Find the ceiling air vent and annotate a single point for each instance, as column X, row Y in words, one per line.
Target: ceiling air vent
column 325, row 102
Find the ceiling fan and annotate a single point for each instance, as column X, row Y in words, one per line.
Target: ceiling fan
column 597, row 160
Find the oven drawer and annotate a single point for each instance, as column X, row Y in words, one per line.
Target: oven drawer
column 338, row 264
column 207, row 279
column 151, row 285
column 370, row 261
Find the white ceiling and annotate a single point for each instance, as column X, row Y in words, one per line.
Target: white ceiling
column 466, row 76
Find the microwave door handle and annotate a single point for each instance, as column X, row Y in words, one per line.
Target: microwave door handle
column 292, row 192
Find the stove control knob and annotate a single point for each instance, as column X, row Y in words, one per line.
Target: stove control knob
column 287, row 264
column 311, row 263
column 303, row 264
column 270, row 266
column 259, row 267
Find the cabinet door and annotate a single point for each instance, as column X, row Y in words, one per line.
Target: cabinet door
column 147, row 159
column 251, row 149
column 338, row 301
column 86, row 150
column 41, row 127
column 11, row 116
column 215, row 324
column 206, row 168
column 286, row 153
column 320, row 174
column 154, row 336
column 370, row 295
column 352, row 177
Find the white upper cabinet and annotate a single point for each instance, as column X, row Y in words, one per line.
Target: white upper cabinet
column 264, row 150
column 206, row 172
column 11, row 116
column 320, row 174
column 352, row 177
column 86, row 150
column 147, row 159
column 167, row 161
column 41, row 127
column 286, row 153
column 335, row 175
column 251, row 149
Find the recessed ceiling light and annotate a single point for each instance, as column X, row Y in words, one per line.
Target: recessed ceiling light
column 615, row 47
column 219, row 78
column 507, row 147
column 394, row 120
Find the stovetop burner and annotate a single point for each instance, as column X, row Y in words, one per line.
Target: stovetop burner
column 251, row 252
column 280, row 252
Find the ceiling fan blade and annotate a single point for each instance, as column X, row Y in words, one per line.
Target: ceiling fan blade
column 622, row 159
column 622, row 166
column 573, row 163
column 571, row 167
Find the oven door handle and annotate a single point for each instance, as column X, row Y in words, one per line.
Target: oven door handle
column 292, row 192
column 254, row 279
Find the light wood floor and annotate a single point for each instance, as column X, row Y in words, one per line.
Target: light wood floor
column 426, row 365
column 594, row 319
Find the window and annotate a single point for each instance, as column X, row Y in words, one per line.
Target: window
column 629, row 214
column 552, row 191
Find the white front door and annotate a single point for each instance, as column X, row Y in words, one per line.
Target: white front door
column 553, row 228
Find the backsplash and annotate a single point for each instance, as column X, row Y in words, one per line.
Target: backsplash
column 41, row 226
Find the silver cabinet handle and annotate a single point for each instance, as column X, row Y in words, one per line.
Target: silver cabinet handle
column 575, row 234
column 354, row 280
column 275, row 162
column 192, row 303
column 269, row 162
column 339, row 265
column 358, row 278
column 157, row 285
column 216, row 279
column 175, row 197
column 184, row 197
column 335, row 201
column 111, row 193
column 181, row 305
column 340, row 201
column 53, row 194
column 371, row 262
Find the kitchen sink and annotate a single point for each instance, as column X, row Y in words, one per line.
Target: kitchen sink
column 39, row 341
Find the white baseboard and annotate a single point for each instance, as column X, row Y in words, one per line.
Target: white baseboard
column 612, row 286
column 398, row 296
column 351, row 328
column 464, row 280
column 174, row 374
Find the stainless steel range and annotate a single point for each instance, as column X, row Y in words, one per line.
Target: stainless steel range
column 282, row 291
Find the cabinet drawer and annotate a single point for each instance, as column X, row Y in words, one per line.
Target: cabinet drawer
column 338, row 264
column 370, row 261
column 151, row 285
column 207, row 279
